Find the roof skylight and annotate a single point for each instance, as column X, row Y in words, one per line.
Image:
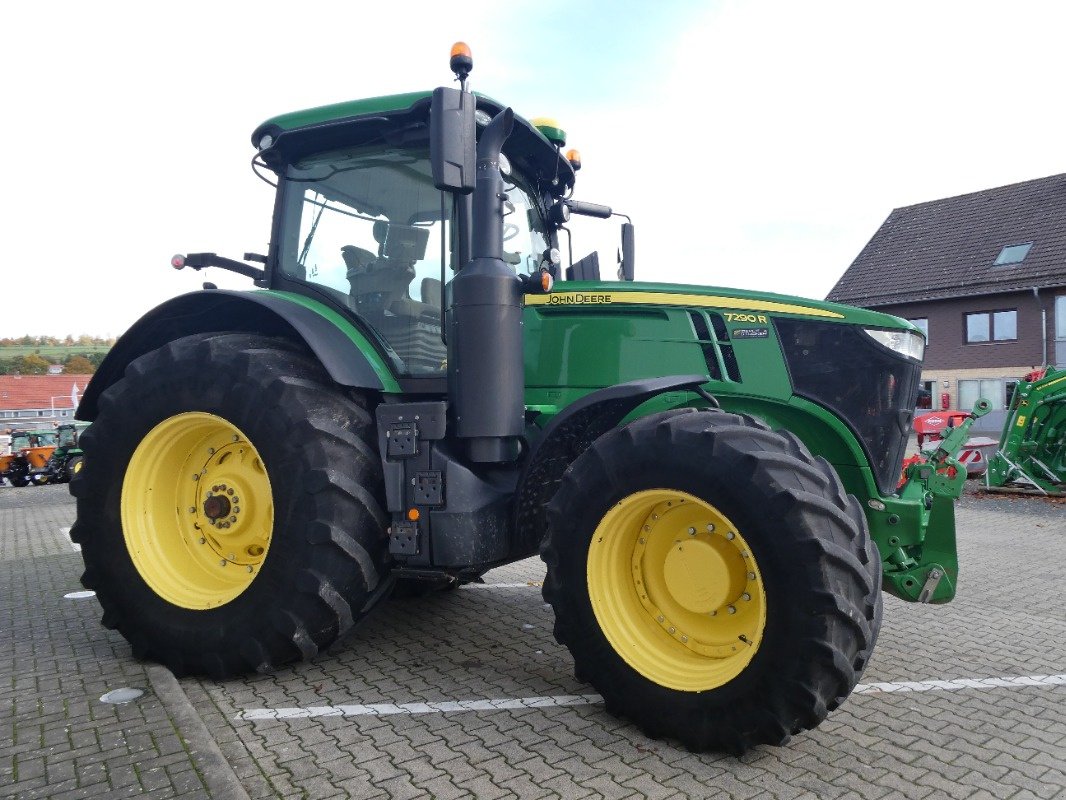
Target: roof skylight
column 1013, row 254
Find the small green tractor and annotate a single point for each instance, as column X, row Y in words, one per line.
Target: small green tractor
column 414, row 394
column 1031, row 456
column 30, row 450
column 66, row 460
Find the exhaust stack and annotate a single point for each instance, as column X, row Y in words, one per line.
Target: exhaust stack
column 486, row 381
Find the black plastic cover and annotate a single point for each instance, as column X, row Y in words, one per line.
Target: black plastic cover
column 873, row 389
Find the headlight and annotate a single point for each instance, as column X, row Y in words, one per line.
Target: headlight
column 907, row 343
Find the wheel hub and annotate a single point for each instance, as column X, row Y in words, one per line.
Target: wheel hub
column 216, row 506
column 204, row 467
column 676, row 589
column 697, row 576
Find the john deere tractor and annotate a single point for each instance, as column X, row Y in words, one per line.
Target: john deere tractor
column 66, row 460
column 413, row 394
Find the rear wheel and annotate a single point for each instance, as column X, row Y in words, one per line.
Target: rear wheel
column 228, row 506
column 18, row 480
column 712, row 579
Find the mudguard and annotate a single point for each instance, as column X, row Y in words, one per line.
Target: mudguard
column 567, row 436
column 344, row 351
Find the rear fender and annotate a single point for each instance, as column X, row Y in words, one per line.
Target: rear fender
column 344, row 351
column 567, row 436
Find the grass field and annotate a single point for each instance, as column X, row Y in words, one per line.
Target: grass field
column 58, row 352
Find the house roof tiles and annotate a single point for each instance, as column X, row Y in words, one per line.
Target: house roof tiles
column 947, row 248
column 19, row 392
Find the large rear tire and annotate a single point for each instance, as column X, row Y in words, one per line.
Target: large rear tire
column 229, row 506
column 712, row 579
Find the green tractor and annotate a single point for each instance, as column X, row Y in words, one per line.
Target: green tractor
column 413, row 395
column 66, row 460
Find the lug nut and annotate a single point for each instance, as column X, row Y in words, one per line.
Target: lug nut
column 732, row 609
column 731, row 536
column 192, row 509
column 203, row 540
column 236, row 499
column 691, row 531
column 236, row 509
column 751, row 576
column 673, row 630
column 661, row 618
column 233, row 519
column 250, row 569
column 222, row 563
column 710, row 528
column 745, row 596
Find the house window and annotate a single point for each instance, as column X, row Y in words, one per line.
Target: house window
column 922, row 324
column 1013, row 254
column 991, row 326
column 997, row 391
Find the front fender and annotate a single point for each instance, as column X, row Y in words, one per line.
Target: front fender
column 344, row 351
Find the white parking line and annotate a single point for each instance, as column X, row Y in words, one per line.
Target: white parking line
column 66, row 532
column 386, row 709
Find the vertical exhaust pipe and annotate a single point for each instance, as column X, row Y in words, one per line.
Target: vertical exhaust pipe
column 486, row 380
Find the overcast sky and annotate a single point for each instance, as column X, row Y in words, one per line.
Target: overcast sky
column 755, row 144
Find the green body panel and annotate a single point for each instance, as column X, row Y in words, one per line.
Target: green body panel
column 377, row 363
column 1032, row 448
column 346, row 110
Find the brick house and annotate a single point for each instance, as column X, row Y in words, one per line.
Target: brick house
column 984, row 275
column 30, row 401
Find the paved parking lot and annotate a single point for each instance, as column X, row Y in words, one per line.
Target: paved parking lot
column 466, row 694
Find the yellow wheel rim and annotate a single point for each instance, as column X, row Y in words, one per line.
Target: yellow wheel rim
column 676, row 590
column 197, row 510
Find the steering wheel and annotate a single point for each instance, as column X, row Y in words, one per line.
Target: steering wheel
column 510, row 230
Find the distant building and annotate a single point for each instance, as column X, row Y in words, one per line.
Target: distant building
column 984, row 275
column 36, row 400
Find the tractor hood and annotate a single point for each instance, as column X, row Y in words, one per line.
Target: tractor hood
column 754, row 304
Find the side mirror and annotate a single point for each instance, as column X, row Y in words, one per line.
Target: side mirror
column 452, row 140
column 629, row 253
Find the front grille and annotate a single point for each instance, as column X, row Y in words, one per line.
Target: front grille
column 869, row 386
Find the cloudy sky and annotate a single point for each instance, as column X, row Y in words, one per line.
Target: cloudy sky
column 755, row 144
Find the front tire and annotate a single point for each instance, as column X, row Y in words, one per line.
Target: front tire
column 711, row 579
column 229, row 506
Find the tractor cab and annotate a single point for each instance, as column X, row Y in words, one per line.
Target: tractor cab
column 361, row 225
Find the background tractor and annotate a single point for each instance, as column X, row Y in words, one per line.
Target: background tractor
column 408, row 398
column 30, row 450
column 66, row 460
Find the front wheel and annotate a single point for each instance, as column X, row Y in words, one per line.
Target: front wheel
column 229, row 506
column 711, row 579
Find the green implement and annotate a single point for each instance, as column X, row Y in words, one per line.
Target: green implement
column 1032, row 449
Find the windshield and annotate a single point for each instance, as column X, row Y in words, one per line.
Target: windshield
column 66, row 437
column 19, row 441
column 366, row 227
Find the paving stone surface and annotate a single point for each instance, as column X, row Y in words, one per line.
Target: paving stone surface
column 494, row 643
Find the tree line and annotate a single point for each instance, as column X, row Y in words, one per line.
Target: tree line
column 35, row 364
column 84, row 340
